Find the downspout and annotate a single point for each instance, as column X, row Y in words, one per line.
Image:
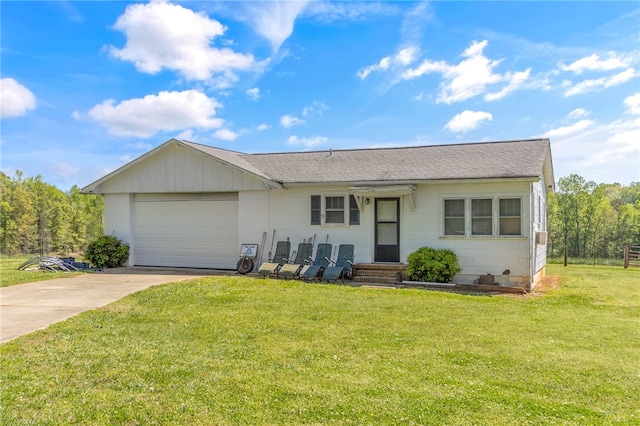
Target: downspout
column 132, row 244
column 532, row 239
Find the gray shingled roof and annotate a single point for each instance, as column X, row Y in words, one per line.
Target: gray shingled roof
column 488, row 160
column 510, row 159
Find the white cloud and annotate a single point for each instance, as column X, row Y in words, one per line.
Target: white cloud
column 63, row 169
column 404, row 57
column 162, row 35
column 420, row 96
column 330, row 11
column 633, row 104
column 316, row 108
column 585, row 152
column 626, row 141
column 290, row 121
column 587, row 86
column 407, row 55
column 516, row 80
column 254, row 93
column 185, row 135
column 274, row 20
column 15, row 99
column 384, row 64
column 262, row 127
column 470, row 77
column 467, row 120
column 595, row 63
column 225, row 134
column 577, row 113
column 166, row 111
column 141, row 146
column 569, row 130
column 307, row 142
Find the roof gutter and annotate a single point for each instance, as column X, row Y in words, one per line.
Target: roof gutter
column 383, row 183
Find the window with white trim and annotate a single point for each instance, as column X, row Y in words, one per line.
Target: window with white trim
column 332, row 210
column 482, row 216
column 478, row 217
column 454, row 217
column 510, row 216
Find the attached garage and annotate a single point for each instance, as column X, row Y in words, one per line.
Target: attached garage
column 185, row 230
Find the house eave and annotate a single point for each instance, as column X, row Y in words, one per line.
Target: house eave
column 383, row 183
column 95, row 187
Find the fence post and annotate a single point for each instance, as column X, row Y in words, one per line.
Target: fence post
column 626, row 256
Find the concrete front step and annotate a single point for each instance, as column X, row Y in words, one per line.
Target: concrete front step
column 378, row 273
column 374, row 280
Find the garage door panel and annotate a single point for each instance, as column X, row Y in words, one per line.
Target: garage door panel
column 186, row 233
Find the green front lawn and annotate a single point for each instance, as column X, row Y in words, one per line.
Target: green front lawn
column 237, row 350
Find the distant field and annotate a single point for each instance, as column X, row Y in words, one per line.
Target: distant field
column 238, row 350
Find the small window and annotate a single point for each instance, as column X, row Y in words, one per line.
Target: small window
column 334, row 209
column 454, row 217
column 354, row 212
column 510, row 216
column 316, row 210
column 482, row 216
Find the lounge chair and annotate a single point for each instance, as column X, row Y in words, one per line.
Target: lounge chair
column 283, row 248
column 314, row 270
column 291, row 269
column 341, row 268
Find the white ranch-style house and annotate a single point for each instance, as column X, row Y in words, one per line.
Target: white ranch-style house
column 184, row 204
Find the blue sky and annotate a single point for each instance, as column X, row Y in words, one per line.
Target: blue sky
column 88, row 86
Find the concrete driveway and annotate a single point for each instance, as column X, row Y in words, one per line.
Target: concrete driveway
column 28, row 307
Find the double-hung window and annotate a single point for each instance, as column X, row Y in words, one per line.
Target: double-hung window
column 332, row 210
column 510, row 216
column 477, row 217
column 481, row 216
column 454, row 223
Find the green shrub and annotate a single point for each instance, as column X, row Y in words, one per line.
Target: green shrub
column 430, row 265
column 107, row 252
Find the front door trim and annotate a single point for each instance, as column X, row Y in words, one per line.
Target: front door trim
column 387, row 230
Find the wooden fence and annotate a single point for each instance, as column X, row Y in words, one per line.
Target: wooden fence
column 632, row 256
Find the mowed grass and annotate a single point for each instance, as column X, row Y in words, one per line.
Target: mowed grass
column 10, row 275
column 237, row 350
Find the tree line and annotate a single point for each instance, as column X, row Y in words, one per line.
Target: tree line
column 38, row 218
column 588, row 219
column 592, row 220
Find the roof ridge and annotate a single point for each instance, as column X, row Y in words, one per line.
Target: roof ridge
column 211, row 146
column 389, row 148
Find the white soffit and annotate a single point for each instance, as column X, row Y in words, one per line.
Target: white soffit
column 360, row 192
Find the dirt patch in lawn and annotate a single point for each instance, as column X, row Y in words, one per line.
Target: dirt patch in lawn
column 547, row 284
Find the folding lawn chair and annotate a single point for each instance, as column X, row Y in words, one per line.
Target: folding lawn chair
column 290, row 270
column 283, row 248
column 342, row 266
column 313, row 271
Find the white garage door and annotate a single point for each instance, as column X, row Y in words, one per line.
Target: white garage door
column 186, row 230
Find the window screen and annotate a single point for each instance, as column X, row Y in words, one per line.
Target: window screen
column 482, row 216
column 454, row 217
column 510, row 223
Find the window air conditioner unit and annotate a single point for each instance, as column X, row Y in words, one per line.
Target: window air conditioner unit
column 541, row 237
